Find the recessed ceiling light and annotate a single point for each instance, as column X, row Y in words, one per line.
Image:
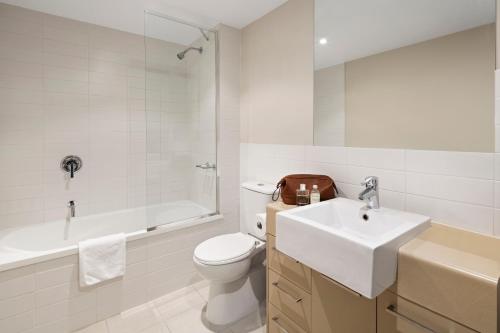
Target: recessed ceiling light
column 323, row 41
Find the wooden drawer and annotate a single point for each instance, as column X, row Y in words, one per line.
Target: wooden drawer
column 279, row 323
column 397, row 315
column 287, row 266
column 337, row 309
column 291, row 300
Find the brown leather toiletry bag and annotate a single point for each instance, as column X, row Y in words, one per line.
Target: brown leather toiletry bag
column 288, row 186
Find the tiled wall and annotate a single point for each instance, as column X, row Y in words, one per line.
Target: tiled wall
column 46, row 298
column 180, row 113
column 68, row 87
column 455, row 188
column 497, row 108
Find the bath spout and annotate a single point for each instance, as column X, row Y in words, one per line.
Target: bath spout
column 71, row 209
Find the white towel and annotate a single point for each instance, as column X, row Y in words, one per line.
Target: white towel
column 102, row 259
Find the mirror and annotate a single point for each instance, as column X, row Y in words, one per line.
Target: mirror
column 410, row 74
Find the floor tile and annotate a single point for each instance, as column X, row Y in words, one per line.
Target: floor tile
column 159, row 328
column 173, row 295
column 99, row 327
column 169, row 308
column 181, row 311
column 201, row 284
column 134, row 320
column 188, row 322
column 204, row 292
column 253, row 323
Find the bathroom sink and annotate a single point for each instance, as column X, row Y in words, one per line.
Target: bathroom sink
column 343, row 240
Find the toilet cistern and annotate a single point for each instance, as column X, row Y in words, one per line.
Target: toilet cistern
column 370, row 193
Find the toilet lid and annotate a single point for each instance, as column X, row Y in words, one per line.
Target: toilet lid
column 225, row 249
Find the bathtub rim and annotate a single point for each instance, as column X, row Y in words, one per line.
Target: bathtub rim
column 140, row 234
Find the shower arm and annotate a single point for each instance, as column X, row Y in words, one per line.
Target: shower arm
column 204, row 34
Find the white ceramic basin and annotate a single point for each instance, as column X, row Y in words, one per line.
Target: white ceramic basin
column 333, row 238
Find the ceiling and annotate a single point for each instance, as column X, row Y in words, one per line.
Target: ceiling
column 358, row 28
column 128, row 15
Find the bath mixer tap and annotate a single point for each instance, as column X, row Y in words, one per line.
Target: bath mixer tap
column 71, row 164
column 71, row 209
column 370, row 193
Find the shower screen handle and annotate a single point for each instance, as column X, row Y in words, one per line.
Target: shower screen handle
column 206, row 165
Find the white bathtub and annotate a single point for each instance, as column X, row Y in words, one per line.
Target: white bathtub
column 39, row 242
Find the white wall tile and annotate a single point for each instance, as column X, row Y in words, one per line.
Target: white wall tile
column 17, row 286
column 455, row 188
column 496, row 227
column 497, row 194
column 473, row 165
column 333, row 155
column 470, row 217
column 16, row 305
column 392, row 159
column 466, row 190
column 18, row 323
column 55, row 276
column 47, row 296
column 392, row 199
column 388, row 180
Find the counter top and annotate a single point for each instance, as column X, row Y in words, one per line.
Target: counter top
column 453, row 272
column 459, row 250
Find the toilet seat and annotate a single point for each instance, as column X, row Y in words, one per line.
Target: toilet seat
column 225, row 249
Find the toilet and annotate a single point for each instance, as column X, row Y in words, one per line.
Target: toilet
column 234, row 263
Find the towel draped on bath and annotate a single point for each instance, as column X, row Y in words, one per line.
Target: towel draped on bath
column 102, row 259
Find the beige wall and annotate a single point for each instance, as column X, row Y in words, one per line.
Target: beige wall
column 498, row 34
column 277, row 76
column 329, row 106
column 436, row 95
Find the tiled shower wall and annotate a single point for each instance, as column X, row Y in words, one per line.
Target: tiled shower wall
column 181, row 117
column 68, row 87
column 45, row 297
column 455, row 188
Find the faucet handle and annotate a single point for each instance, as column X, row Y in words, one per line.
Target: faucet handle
column 370, row 181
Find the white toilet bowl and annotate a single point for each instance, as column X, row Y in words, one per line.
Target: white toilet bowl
column 234, row 263
column 236, row 286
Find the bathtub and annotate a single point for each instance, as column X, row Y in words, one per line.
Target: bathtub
column 39, row 242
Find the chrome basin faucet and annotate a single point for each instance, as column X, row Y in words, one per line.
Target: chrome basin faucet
column 370, row 193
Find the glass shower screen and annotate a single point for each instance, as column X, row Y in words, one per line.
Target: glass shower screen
column 181, row 118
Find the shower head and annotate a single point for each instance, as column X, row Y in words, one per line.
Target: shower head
column 182, row 54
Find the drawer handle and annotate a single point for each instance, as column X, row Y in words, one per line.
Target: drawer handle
column 392, row 310
column 341, row 286
column 276, row 321
column 297, row 299
column 275, row 249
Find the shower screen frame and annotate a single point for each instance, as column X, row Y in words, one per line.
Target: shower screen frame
column 212, row 215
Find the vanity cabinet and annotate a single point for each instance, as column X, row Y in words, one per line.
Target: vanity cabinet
column 398, row 315
column 337, row 309
column 282, row 264
column 430, row 296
